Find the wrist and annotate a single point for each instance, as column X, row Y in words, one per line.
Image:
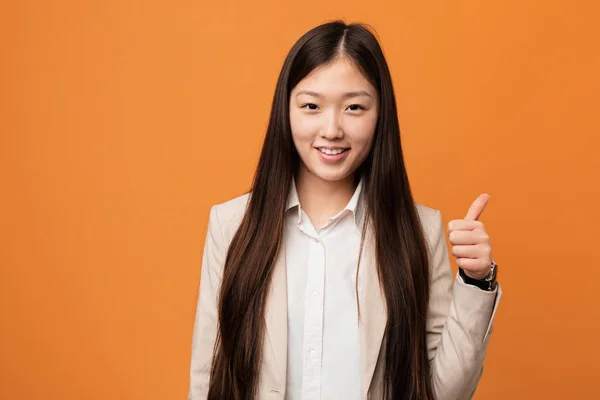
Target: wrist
column 487, row 282
column 477, row 276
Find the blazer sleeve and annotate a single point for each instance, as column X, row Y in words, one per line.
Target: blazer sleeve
column 459, row 324
column 206, row 320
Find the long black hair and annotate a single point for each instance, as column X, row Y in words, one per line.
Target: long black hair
column 400, row 247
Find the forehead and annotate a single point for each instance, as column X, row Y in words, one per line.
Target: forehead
column 341, row 75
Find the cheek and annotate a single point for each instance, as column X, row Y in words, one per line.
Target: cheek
column 361, row 132
column 303, row 129
column 302, row 139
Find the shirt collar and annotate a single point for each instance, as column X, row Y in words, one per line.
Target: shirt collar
column 355, row 205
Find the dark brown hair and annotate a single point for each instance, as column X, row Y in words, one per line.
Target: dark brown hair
column 402, row 259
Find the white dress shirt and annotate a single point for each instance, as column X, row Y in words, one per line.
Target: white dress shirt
column 323, row 360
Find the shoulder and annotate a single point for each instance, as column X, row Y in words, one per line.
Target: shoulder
column 229, row 214
column 426, row 212
column 431, row 220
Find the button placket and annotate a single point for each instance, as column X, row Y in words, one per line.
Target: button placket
column 313, row 328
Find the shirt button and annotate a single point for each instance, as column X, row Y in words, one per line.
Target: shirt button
column 315, row 294
column 311, row 353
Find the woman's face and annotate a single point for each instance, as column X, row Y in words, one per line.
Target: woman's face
column 333, row 114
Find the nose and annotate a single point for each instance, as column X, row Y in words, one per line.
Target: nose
column 332, row 127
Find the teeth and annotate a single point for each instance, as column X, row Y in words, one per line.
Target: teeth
column 330, row 151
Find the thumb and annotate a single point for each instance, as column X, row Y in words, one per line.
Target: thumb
column 477, row 207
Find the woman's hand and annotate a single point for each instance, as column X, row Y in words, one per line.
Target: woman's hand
column 470, row 242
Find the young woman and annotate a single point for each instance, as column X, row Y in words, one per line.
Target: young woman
column 326, row 280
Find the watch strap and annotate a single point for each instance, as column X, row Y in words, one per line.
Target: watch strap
column 488, row 284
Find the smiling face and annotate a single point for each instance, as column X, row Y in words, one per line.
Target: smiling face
column 333, row 115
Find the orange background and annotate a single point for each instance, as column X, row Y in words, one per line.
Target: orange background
column 123, row 121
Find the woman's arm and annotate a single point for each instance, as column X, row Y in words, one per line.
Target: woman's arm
column 205, row 325
column 459, row 324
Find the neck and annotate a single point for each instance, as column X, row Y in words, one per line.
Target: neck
column 321, row 199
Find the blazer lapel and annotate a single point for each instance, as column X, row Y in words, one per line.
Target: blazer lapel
column 276, row 316
column 373, row 315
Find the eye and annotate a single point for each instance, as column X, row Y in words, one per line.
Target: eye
column 356, row 107
column 310, row 106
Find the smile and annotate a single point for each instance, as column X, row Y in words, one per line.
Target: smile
column 325, row 150
column 332, row 156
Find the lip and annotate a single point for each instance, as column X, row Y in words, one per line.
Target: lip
column 332, row 158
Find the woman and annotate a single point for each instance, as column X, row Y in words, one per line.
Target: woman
column 326, row 280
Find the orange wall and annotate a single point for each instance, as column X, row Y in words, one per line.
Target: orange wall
column 122, row 121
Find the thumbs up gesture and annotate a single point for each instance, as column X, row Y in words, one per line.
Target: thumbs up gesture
column 470, row 242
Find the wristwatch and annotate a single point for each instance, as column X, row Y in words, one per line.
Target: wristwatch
column 488, row 283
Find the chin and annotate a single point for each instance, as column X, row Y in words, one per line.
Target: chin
column 330, row 176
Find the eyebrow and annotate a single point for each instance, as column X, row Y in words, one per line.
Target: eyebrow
column 346, row 95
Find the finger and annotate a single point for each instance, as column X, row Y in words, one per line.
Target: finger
column 466, row 237
column 477, row 207
column 468, row 251
column 469, row 264
column 464, row 225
